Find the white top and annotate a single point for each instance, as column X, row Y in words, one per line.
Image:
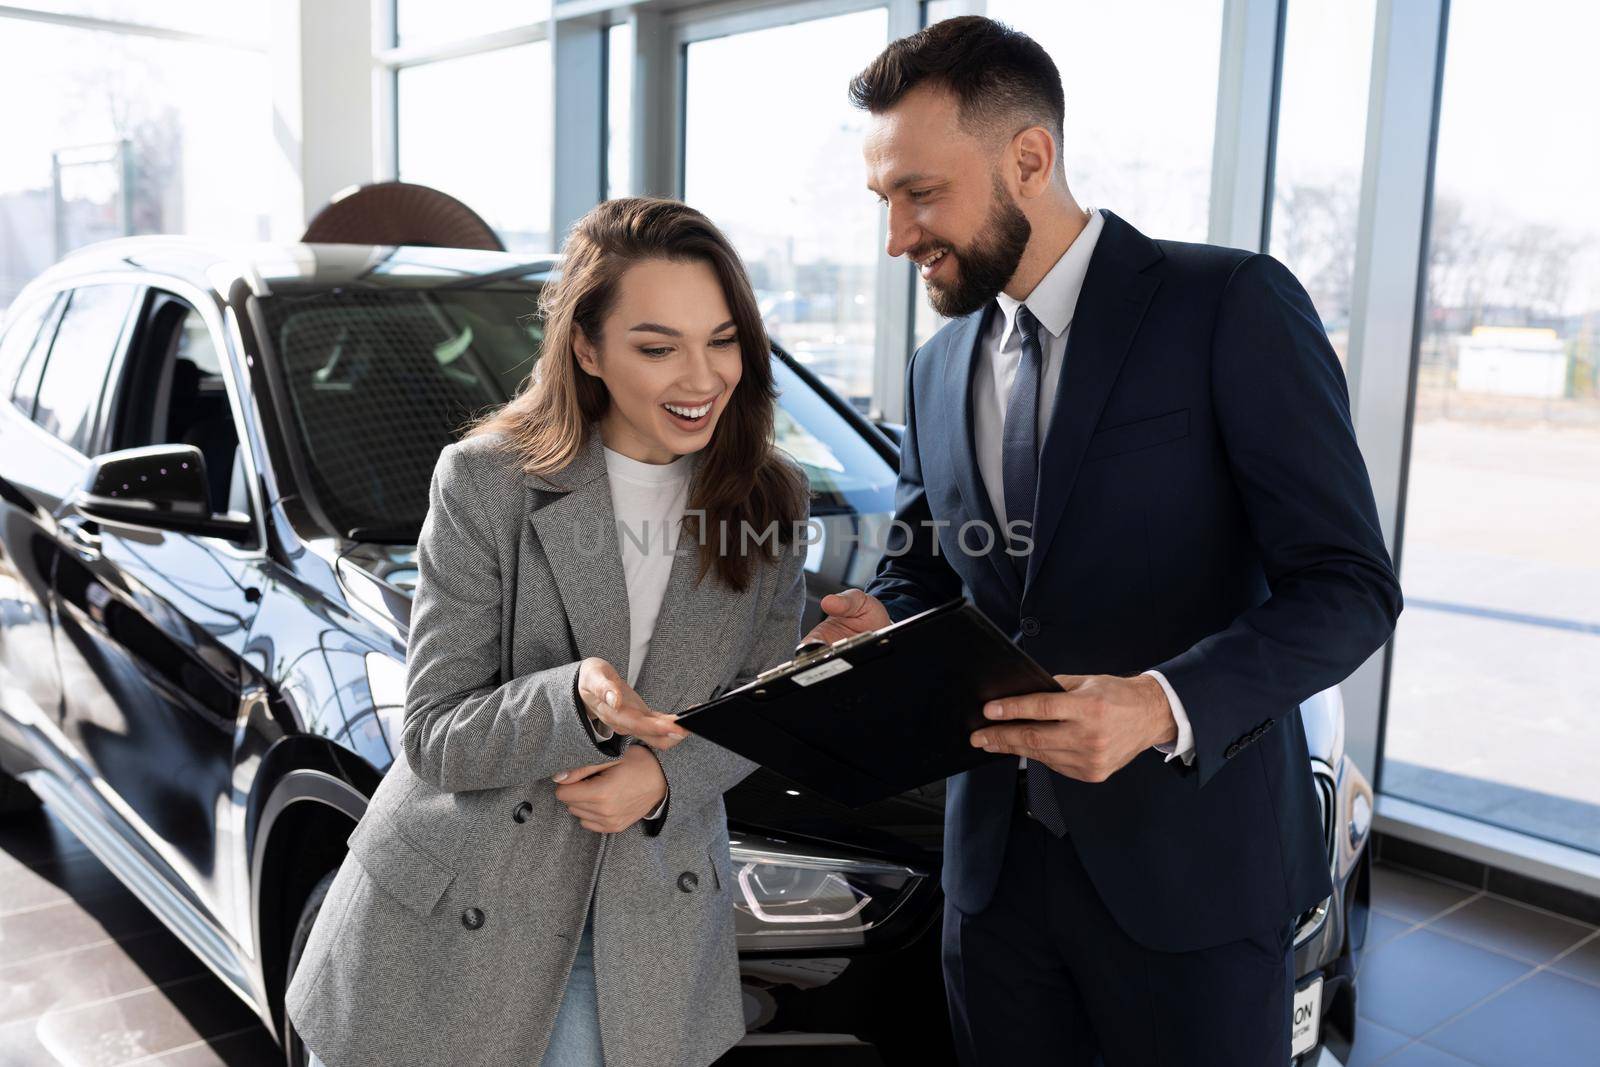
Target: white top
column 999, row 352
column 649, row 501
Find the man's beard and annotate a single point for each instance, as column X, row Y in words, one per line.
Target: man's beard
column 985, row 266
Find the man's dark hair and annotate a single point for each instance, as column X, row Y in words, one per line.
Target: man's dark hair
column 1001, row 77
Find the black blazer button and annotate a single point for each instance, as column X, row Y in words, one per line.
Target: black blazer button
column 1030, row 626
column 472, row 918
column 687, row 881
column 1231, row 751
column 523, row 811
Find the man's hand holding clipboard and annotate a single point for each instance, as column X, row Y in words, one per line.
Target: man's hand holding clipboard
column 879, row 710
column 1089, row 730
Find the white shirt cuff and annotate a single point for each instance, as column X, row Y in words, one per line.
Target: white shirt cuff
column 602, row 729
column 659, row 809
column 1183, row 747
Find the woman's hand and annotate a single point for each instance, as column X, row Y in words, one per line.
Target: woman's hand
column 613, row 701
column 610, row 797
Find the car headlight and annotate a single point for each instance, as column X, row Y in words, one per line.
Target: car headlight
column 787, row 898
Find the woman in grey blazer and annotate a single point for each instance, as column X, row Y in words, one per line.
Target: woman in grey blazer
column 544, row 872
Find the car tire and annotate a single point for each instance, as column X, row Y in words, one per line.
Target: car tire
column 15, row 796
column 295, row 1052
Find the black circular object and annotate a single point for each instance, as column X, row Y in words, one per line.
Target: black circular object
column 523, row 811
column 472, row 918
column 687, row 881
column 1030, row 626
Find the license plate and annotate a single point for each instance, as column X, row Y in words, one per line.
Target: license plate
column 1307, row 1018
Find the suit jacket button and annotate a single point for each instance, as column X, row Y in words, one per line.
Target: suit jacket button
column 523, row 811
column 687, row 881
column 1231, row 751
column 1030, row 626
column 472, row 918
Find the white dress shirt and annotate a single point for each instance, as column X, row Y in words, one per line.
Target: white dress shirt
column 999, row 352
column 648, row 500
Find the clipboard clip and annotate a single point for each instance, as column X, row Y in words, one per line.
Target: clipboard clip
column 809, row 650
column 806, row 651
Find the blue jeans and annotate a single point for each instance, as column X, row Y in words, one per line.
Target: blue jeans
column 575, row 1042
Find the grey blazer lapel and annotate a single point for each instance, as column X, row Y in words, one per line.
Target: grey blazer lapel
column 578, row 532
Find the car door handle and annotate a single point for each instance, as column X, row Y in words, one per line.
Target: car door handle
column 83, row 541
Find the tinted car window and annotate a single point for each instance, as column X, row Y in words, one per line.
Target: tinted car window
column 75, row 370
column 21, row 328
column 171, row 390
column 852, row 486
column 33, row 342
column 846, row 473
column 379, row 381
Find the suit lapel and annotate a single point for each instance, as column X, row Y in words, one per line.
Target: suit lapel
column 578, row 532
column 1110, row 307
column 960, row 363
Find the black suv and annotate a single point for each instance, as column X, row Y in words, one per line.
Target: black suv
column 205, row 681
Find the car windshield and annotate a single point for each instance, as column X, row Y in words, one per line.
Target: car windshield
column 380, row 380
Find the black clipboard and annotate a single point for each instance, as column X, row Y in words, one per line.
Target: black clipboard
column 879, row 713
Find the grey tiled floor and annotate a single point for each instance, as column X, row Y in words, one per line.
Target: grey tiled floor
column 1454, row 976
column 90, row 978
column 1450, row 976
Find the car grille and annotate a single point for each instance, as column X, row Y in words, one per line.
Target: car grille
column 1322, row 778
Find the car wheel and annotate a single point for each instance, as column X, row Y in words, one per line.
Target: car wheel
column 15, row 796
column 295, row 1052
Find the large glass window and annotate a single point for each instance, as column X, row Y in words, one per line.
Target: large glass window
column 1322, row 118
column 781, row 171
column 133, row 135
column 1496, row 670
column 480, row 129
column 427, row 22
column 619, row 109
column 925, row 322
column 1141, row 85
column 243, row 19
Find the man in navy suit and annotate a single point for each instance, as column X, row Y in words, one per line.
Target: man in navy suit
column 1137, row 457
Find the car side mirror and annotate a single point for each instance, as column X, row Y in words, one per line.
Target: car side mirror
column 163, row 487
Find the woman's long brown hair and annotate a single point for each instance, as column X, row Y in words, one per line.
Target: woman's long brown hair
column 742, row 479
